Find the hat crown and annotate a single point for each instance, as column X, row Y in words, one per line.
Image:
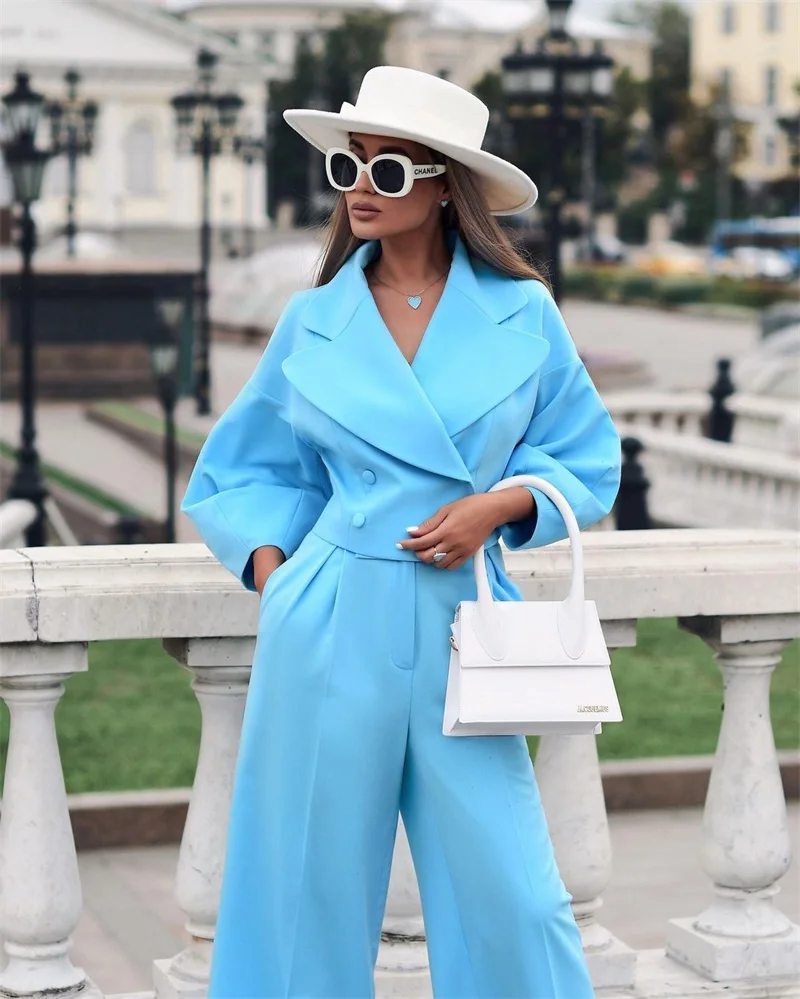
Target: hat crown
column 422, row 103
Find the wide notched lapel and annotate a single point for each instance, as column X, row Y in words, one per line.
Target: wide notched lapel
column 473, row 356
column 357, row 375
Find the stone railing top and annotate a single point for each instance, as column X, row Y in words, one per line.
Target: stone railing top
column 697, row 404
column 91, row 593
column 733, row 457
column 652, row 402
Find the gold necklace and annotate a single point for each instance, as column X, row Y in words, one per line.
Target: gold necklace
column 413, row 300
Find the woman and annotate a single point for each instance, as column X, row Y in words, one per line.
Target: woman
column 347, row 485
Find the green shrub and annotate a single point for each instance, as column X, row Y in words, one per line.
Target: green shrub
column 613, row 284
column 583, row 281
column 635, row 287
column 682, row 291
column 753, row 294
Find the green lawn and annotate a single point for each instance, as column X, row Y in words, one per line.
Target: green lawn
column 71, row 482
column 135, row 416
column 133, row 722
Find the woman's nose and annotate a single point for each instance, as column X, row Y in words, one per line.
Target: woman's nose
column 364, row 184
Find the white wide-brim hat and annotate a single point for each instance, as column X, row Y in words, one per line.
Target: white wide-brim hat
column 408, row 104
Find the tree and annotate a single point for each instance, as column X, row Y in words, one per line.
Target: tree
column 351, row 49
column 287, row 166
column 668, row 86
column 323, row 76
column 617, row 137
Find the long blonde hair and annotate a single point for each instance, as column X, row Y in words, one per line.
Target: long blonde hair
column 468, row 213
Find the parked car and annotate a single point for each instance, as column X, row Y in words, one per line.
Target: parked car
column 602, row 250
column 753, row 262
column 672, row 259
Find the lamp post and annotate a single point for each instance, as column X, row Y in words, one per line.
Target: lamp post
column 250, row 150
column 72, row 125
column 206, row 123
column 26, row 163
column 164, row 357
column 556, row 81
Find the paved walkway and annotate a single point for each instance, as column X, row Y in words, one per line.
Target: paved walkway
column 680, row 349
column 69, row 441
column 130, row 918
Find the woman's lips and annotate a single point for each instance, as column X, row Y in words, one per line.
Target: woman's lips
column 364, row 211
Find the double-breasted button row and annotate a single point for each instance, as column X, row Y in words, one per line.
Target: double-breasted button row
column 358, row 520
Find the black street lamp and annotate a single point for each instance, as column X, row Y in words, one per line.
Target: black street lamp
column 556, row 81
column 26, row 163
column 251, row 150
column 206, row 123
column 164, row 358
column 72, row 124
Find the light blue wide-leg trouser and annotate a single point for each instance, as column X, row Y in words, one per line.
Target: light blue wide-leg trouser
column 342, row 728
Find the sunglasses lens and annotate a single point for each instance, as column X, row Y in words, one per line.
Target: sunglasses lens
column 342, row 170
column 389, row 176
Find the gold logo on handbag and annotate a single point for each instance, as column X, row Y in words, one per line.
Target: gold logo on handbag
column 516, row 666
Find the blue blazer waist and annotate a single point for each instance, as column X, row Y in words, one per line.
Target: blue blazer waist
column 373, row 533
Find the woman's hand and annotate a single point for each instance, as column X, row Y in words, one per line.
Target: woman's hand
column 265, row 561
column 461, row 527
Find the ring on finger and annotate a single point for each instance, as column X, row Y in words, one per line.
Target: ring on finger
column 439, row 556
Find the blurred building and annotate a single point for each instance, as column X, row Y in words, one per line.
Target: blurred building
column 268, row 28
column 133, row 58
column 459, row 41
column 751, row 50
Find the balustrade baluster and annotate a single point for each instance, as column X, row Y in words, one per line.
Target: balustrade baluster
column 221, row 670
column 746, row 844
column 41, row 901
column 402, row 968
column 568, row 775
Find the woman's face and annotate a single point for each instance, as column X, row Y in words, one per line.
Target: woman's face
column 373, row 215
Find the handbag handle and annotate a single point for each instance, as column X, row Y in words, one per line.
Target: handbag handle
column 571, row 613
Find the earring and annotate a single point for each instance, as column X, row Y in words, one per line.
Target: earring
column 444, row 204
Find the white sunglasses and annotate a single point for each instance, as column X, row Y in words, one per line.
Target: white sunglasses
column 391, row 174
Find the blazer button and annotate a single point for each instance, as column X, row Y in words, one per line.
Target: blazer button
column 368, row 476
column 358, row 520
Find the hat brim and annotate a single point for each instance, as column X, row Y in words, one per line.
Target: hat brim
column 508, row 190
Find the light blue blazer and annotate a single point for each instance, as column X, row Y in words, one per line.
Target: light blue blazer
column 336, row 433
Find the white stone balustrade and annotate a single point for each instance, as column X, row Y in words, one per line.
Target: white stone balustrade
column 738, row 589
column 761, row 422
column 696, row 482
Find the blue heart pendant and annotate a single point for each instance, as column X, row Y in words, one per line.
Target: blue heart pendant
column 414, row 301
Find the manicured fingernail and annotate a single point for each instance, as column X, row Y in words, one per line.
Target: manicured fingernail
column 415, row 528
column 398, row 545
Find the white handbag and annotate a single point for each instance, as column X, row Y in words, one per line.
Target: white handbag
column 529, row 667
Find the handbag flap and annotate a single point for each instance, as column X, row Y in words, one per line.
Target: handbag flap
column 530, row 631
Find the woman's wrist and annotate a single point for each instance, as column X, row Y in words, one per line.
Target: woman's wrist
column 511, row 505
column 266, row 560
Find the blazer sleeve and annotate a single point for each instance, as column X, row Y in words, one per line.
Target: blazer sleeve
column 256, row 482
column 571, row 442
